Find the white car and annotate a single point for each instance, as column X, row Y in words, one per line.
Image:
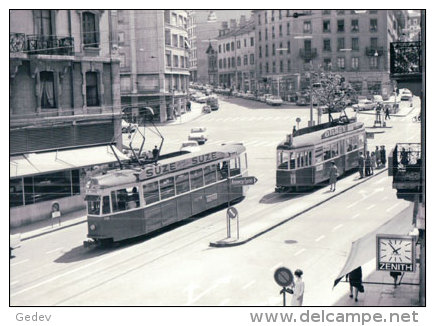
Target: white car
column 249, row 96
column 127, row 127
column 198, row 134
column 364, row 105
column 190, row 146
column 202, row 99
column 377, row 99
column 274, row 100
column 406, row 95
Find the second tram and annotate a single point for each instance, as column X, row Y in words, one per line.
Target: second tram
column 304, row 158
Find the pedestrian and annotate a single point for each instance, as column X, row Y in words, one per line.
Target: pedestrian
column 355, row 281
column 378, row 157
column 361, row 165
column 333, row 174
column 367, row 164
column 383, row 155
column 387, row 112
column 189, row 105
column 395, row 275
column 373, row 162
column 298, row 289
column 155, row 153
column 404, row 160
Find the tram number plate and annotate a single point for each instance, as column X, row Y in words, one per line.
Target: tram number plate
column 211, row 197
column 319, row 167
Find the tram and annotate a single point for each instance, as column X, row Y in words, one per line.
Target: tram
column 127, row 203
column 304, row 158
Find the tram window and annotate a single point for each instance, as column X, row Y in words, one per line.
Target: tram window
column 93, row 204
column 326, row 152
column 182, row 183
column 349, row 144
column 361, row 141
column 234, row 166
column 299, row 163
column 196, row 179
column 309, row 159
column 334, row 149
column 223, row 170
column 167, row 189
column 355, row 142
column 119, row 200
column 132, row 198
column 292, row 161
column 283, row 158
column 243, row 162
column 210, row 174
column 151, row 192
column 106, row 205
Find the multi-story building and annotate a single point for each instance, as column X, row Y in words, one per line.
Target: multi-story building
column 203, row 28
column 153, row 47
column 414, row 26
column 64, row 95
column 354, row 43
column 236, row 55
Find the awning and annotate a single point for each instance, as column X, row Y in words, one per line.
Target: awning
column 38, row 163
column 364, row 249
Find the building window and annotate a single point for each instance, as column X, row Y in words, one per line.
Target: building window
column 251, row 58
column 245, row 42
column 252, row 41
column 288, row 28
column 259, row 35
column 340, row 63
column 267, row 67
column 327, row 64
column 176, row 61
column 266, row 50
column 122, row 62
column 273, row 15
column 273, row 49
column 373, row 11
column 340, row 12
column 265, row 17
column 90, row 31
column 340, row 25
column 288, row 66
column 43, row 22
column 281, row 66
column 245, row 60
column 327, row 45
column 373, row 25
column 232, row 46
column 220, row 63
column 47, row 90
column 374, row 62
column 220, row 48
column 355, row 63
column 340, row 43
column 280, row 30
column 326, row 12
column 239, row 61
column 259, row 19
column 355, row 25
column 225, row 63
column 181, row 42
column 373, row 42
column 168, row 59
column 280, row 48
column 233, row 62
column 288, row 46
column 326, row 26
column 307, row 26
column 238, row 44
column 265, row 34
column 175, row 40
column 273, row 67
column 261, row 68
column 280, row 14
column 259, row 52
column 228, row 47
column 355, row 44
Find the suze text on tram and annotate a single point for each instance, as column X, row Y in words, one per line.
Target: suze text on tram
column 132, row 202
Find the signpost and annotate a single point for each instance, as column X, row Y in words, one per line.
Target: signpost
column 284, row 277
column 243, row 181
column 231, row 214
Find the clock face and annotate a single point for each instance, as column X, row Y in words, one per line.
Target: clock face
column 395, row 250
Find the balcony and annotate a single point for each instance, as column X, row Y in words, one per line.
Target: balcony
column 405, row 59
column 41, row 44
column 405, row 165
column 308, row 54
column 374, row 51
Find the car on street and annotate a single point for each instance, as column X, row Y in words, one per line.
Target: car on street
column 274, row 100
column 405, row 95
column 264, row 97
column 377, row 99
column 213, row 102
column 198, row 134
column 206, row 109
column 190, row 146
column 249, row 96
column 202, row 99
column 127, row 127
column 364, row 105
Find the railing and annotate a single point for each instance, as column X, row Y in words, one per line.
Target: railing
column 41, row 44
column 308, row 54
column 405, row 58
column 374, row 51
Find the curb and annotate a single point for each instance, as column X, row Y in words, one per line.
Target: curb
column 24, row 237
column 221, row 244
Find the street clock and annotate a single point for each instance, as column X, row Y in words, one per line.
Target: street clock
column 395, row 253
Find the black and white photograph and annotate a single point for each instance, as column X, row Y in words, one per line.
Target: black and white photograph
column 210, row 159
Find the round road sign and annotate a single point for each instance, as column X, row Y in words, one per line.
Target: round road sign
column 283, row 276
column 232, row 212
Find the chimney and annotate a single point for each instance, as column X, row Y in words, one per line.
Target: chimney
column 233, row 24
column 242, row 21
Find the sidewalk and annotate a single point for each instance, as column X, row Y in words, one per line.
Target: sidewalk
column 194, row 113
column 404, row 108
column 254, row 227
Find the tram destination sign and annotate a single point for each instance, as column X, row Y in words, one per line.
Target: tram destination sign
column 244, row 181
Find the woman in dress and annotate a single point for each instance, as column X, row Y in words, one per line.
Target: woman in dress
column 298, row 289
column 333, row 173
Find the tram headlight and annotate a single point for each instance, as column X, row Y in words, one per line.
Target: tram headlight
column 92, row 227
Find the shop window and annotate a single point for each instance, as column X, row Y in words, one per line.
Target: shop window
column 167, row 188
column 16, row 192
column 48, row 187
column 182, row 183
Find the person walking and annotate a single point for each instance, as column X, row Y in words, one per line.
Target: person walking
column 387, row 112
column 378, row 157
column 383, row 155
column 367, row 164
column 333, row 174
column 361, row 165
column 298, row 289
column 373, row 162
column 355, row 281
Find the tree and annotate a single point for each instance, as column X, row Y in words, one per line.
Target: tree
column 331, row 90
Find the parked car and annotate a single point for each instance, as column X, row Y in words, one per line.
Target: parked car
column 213, row 102
column 264, row 97
column 249, row 96
column 202, row 99
column 377, row 99
column 274, row 100
column 198, row 134
column 127, row 127
column 206, row 109
column 190, row 146
column 405, row 95
column 364, row 105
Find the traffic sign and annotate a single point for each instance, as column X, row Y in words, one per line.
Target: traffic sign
column 243, row 181
column 232, row 212
column 283, row 276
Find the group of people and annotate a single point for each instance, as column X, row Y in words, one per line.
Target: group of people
column 371, row 161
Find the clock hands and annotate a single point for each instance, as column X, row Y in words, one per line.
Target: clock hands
column 395, row 251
